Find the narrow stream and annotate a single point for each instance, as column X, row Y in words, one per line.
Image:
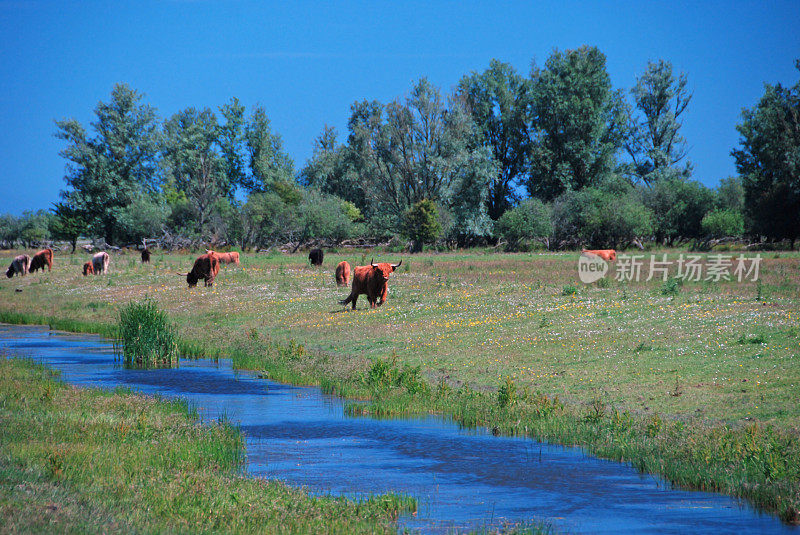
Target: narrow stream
column 464, row 479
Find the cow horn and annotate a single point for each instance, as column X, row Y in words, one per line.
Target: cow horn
column 397, row 265
column 183, row 274
column 372, row 262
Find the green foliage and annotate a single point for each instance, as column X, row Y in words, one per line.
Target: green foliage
column 498, row 100
column 672, row 286
column 578, row 123
column 192, row 163
column 106, row 172
column 67, row 223
column 678, row 207
column 143, row 218
column 322, row 217
column 329, row 170
column 569, row 289
column 269, row 164
column 730, row 194
column 721, row 223
column 507, row 393
column 601, row 218
column 386, row 373
column 34, row 227
column 421, row 223
column 768, row 160
column 404, row 152
column 147, row 337
column 352, row 212
column 528, row 221
column 654, row 144
column 9, row 230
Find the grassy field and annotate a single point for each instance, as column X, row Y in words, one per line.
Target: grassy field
column 82, row 461
column 675, row 378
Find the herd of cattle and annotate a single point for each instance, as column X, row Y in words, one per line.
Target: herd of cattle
column 371, row 280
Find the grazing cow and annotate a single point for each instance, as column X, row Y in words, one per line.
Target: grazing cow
column 226, row 258
column 88, row 268
column 609, row 255
column 371, row 280
column 145, row 256
column 19, row 265
column 41, row 259
column 343, row 274
column 206, row 267
column 100, row 262
column 316, row 256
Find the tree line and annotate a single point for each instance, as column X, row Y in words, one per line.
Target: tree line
column 557, row 157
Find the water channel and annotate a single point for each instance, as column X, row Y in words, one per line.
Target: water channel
column 463, row 479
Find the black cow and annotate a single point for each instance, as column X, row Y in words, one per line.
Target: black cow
column 315, row 257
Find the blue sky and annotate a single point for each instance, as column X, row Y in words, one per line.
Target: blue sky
column 307, row 62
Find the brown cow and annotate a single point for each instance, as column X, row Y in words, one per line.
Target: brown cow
column 41, row 259
column 88, row 268
column 226, row 258
column 206, row 267
column 609, row 255
column 145, row 256
column 100, row 262
column 343, row 273
column 19, row 265
column 371, row 280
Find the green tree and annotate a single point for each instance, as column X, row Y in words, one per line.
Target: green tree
column 143, row 218
column 421, row 224
column 323, row 217
column 34, row 227
column 329, row 170
column 768, row 161
column 722, row 223
column 106, row 172
column 67, row 223
column 231, row 140
column 269, row 164
column 499, row 100
column 9, row 230
column 528, row 221
column 678, row 208
column 193, row 164
column 405, row 152
column 578, row 123
column 601, row 217
column 654, row 143
column 730, row 194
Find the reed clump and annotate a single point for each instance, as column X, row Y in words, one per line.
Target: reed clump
column 147, row 338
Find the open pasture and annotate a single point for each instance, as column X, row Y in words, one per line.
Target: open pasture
column 726, row 351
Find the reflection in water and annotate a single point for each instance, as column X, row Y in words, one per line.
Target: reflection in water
column 463, row 479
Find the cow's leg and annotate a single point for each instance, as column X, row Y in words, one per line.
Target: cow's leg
column 383, row 295
column 355, row 298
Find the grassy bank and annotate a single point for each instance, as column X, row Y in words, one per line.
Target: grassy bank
column 81, row 461
column 697, row 382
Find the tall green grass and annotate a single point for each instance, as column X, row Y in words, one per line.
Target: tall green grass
column 146, row 337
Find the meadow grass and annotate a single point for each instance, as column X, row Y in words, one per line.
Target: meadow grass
column 92, row 461
column 688, row 373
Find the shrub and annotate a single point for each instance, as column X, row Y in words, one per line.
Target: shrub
column 421, row 223
column 720, row 223
column 528, row 221
column 147, row 338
